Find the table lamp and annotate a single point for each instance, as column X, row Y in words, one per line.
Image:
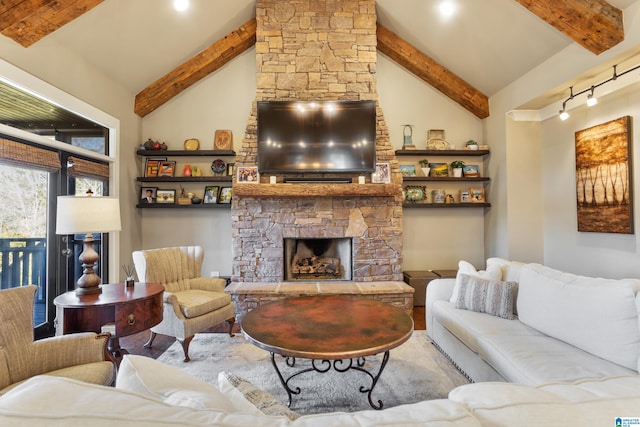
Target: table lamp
column 87, row 215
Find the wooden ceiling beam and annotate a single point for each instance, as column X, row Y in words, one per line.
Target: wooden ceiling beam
column 196, row 68
column 433, row 73
column 594, row 24
column 27, row 21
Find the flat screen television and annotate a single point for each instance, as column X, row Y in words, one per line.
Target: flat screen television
column 324, row 136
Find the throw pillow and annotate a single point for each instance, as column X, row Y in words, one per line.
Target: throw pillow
column 493, row 272
column 486, row 296
column 248, row 397
column 146, row 376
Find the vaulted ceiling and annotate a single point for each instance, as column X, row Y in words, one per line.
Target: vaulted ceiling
column 156, row 52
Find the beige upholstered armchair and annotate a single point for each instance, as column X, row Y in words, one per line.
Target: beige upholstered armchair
column 192, row 303
column 82, row 356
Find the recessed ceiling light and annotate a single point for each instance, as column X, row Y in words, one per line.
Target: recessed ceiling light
column 447, row 8
column 181, row 5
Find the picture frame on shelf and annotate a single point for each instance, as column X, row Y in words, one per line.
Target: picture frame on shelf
column 223, row 140
column 471, row 171
column 408, row 170
column 477, row 194
column 382, row 175
column 225, row 195
column 148, row 195
column 165, row 196
column 230, row 168
column 248, row 175
column 465, row 196
column 152, row 165
column 211, row 194
column 167, row 168
column 438, row 169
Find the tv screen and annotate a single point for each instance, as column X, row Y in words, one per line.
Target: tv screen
column 327, row 136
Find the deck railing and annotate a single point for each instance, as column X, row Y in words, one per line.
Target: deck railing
column 22, row 263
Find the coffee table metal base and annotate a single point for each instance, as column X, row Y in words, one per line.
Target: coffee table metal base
column 339, row 365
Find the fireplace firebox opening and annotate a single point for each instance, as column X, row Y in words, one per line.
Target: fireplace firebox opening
column 318, row 259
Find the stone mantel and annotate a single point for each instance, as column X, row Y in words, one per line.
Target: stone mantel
column 316, row 190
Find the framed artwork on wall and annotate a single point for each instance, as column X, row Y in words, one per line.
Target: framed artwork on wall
column 603, row 171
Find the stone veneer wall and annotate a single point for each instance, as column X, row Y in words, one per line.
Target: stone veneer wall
column 316, row 50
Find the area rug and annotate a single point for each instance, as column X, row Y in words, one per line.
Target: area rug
column 416, row 371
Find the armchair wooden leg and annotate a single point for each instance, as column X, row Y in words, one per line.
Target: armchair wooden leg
column 185, row 347
column 150, row 341
column 230, row 322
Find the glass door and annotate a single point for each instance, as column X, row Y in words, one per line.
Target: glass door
column 23, row 234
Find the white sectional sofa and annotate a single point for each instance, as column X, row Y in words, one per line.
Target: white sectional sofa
column 149, row 393
column 566, row 328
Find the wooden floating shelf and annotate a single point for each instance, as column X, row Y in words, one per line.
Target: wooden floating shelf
column 445, row 205
column 154, row 153
column 442, row 152
column 316, row 190
column 185, row 178
column 178, row 206
column 445, row 178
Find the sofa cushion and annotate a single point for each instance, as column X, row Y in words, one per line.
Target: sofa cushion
column 469, row 326
column 538, row 359
column 151, row 378
column 195, row 302
column 507, row 405
column 597, row 315
column 492, row 273
column 486, row 296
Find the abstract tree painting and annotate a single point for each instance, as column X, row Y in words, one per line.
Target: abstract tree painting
column 603, row 171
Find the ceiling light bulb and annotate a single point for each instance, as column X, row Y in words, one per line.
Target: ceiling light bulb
column 447, row 8
column 591, row 100
column 181, row 5
column 563, row 115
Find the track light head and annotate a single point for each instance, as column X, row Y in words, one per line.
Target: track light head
column 563, row 115
column 591, row 99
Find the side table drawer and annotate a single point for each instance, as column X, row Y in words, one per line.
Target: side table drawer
column 131, row 318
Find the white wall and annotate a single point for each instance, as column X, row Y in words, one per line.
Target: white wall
column 511, row 224
column 223, row 100
column 610, row 255
column 432, row 238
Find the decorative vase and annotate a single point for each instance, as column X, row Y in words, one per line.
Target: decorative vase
column 425, row 171
column 457, row 172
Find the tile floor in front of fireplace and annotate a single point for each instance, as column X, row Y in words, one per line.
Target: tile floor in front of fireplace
column 135, row 343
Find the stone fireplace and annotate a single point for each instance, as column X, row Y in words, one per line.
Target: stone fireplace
column 313, row 50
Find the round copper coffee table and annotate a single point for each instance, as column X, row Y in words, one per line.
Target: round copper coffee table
column 332, row 330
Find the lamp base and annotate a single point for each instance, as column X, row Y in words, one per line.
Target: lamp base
column 89, row 282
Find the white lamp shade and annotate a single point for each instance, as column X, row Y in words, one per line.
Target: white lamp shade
column 87, row 214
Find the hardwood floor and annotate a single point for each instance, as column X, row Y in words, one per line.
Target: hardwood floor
column 135, row 343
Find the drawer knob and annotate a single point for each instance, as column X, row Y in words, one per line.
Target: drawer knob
column 131, row 320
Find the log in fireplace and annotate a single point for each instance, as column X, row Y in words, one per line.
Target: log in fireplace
column 318, row 259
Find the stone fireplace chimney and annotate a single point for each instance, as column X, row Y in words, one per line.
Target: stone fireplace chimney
column 316, row 50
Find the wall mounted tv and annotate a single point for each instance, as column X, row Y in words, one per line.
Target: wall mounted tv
column 323, row 136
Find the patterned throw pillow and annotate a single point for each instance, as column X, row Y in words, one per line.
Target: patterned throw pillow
column 238, row 389
column 486, row 296
column 493, row 272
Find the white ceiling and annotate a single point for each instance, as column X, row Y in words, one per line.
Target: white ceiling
column 489, row 43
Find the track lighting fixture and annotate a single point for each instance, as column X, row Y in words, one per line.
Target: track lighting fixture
column 591, row 98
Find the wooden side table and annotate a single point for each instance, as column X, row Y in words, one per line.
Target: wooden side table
column 119, row 309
